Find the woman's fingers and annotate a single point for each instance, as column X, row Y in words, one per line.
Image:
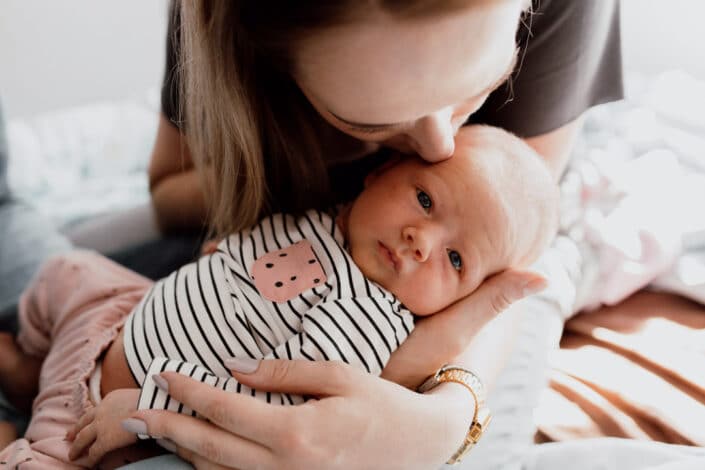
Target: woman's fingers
column 234, row 412
column 83, row 440
column 301, row 377
column 463, row 320
column 497, row 293
column 442, row 337
column 212, row 444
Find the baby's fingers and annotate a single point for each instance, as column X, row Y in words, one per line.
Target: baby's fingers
column 82, row 423
column 82, row 441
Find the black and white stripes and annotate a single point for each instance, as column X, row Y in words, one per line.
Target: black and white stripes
column 210, row 310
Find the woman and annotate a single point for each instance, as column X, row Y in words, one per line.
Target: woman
column 301, row 93
column 295, row 96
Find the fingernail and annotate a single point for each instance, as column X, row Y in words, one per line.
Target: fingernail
column 161, row 382
column 135, row 426
column 534, row 286
column 167, row 444
column 243, row 365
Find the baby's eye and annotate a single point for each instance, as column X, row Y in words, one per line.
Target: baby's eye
column 424, row 199
column 455, row 260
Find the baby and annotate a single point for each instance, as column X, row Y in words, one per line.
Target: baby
column 339, row 286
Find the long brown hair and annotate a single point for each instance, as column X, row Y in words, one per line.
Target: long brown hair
column 248, row 126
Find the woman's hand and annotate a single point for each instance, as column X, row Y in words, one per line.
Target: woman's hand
column 443, row 336
column 359, row 421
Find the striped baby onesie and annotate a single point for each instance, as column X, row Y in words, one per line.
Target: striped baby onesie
column 215, row 308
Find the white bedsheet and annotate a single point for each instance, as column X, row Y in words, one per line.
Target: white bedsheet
column 635, row 214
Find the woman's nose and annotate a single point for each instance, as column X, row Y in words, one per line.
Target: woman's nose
column 419, row 242
column 434, row 135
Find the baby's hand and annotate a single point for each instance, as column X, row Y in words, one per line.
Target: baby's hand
column 99, row 430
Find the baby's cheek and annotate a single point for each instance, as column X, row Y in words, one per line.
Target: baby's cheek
column 426, row 296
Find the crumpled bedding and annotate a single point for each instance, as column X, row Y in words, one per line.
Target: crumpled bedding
column 635, row 374
column 635, row 211
column 76, row 163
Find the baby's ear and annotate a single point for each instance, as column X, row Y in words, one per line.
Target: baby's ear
column 374, row 174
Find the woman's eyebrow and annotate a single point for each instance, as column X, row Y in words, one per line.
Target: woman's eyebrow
column 505, row 76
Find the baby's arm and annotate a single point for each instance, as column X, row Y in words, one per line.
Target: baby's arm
column 99, row 431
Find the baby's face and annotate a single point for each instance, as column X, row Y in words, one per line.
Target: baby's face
column 430, row 233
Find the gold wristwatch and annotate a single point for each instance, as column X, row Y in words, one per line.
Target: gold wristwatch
column 481, row 415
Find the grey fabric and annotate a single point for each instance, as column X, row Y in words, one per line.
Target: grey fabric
column 4, row 190
column 163, row 462
column 26, row 240
column 8, row 413
column 131, row 238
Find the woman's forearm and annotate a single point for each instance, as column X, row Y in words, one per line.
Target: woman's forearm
column 179, row 203
column 556, row 147
column 489, row 351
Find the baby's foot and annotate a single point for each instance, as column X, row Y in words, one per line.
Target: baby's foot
column 19, row 373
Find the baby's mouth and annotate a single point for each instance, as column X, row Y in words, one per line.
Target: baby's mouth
column 388, row 255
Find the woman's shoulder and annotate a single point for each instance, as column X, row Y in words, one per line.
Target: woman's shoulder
column 569, row 60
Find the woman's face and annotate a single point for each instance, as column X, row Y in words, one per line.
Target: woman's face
column 409, row 84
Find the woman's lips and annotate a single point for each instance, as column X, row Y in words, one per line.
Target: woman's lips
column 389, row 256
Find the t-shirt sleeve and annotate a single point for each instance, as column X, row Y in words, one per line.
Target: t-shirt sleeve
column 569, row 60
column 171, row 83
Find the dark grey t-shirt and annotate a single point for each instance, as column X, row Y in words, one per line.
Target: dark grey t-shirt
column 570, row 60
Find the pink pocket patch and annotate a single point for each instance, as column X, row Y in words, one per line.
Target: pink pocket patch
column 283, row 274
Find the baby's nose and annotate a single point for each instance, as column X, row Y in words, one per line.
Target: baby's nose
column 419, row 243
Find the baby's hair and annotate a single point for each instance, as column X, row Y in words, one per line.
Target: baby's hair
column 535, row 186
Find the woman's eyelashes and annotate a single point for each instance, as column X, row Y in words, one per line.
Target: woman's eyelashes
column 367, row 130
column 424, row 200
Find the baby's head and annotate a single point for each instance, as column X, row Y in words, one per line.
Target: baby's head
column 431, row 233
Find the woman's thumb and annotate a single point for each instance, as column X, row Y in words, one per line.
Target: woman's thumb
column 507, row 287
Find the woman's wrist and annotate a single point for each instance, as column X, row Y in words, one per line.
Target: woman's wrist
column 456, row 405
column 481, row 415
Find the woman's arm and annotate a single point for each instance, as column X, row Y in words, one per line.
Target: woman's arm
column 556, row 146
column 359, row 421
column 174, row 182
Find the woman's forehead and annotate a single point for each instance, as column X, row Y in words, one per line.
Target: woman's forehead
column 392, row 71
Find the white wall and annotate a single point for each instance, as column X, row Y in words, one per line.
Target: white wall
column 60, row 53
column 663, row 34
